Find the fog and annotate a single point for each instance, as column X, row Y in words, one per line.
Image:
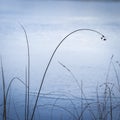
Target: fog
column 46, row 24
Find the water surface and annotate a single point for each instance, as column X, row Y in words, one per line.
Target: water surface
column 84, row 53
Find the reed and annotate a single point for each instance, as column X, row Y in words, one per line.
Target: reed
column 4, row 93
column 105, row 108
column 82, row 94
column 27, row 98
column 50, row 60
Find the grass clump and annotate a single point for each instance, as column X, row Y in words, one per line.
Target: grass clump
column 101, row 109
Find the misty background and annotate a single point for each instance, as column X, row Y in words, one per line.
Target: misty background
column 47, row 23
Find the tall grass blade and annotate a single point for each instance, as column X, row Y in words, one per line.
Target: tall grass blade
column 49, row 62
column 26, row 91
column 4, row 93
column 117, row 77
column 16, row 111
column 10, row 84
column 28, row 71
column 81, row 90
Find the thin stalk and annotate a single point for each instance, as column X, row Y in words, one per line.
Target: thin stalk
column 82, row 98
column 99, row 105
column 49, row 62
column 117, row 77
column 80, row 87
column 17, row 115
column 111, row 103
column 26, row 91
column 12, row 80
column 109, row 67
column 111, row 111
column 28, row 70
column 113, row 108
column 106, row 86
column 71, row 73
column 4, row 93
